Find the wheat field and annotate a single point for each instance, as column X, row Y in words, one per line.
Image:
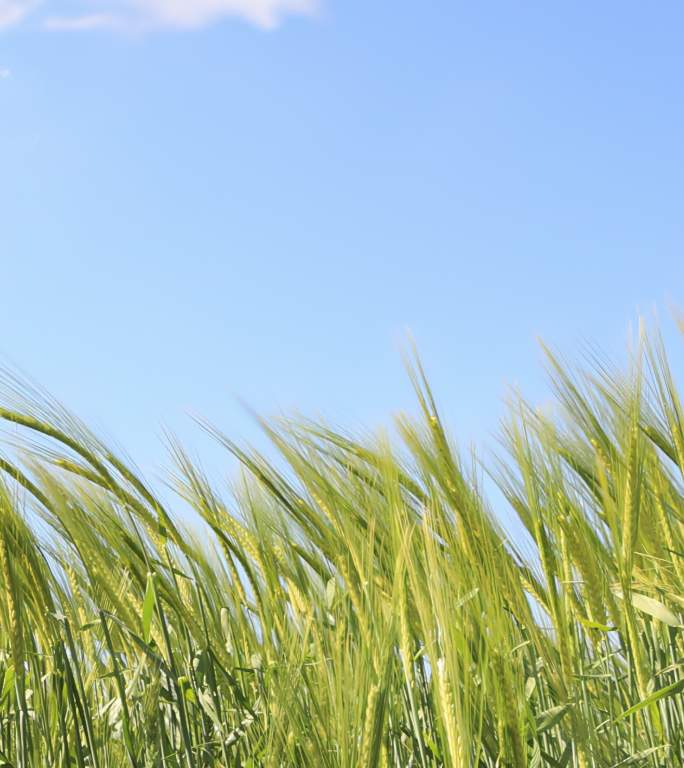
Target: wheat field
column 354, row 603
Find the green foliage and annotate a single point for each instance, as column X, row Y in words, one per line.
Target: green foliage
column 353, row 604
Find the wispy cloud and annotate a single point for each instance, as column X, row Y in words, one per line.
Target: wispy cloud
column 142, row 14
column 5, row 72
column 13, row 11
column 82, row 23
column 198, row 13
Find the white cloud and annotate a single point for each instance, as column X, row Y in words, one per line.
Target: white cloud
column 198, row 13
column 5, row 72
column 144, row 14
column 83, row 23
column 13, row 11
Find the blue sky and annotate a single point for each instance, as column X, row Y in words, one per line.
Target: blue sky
column 256, row 198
